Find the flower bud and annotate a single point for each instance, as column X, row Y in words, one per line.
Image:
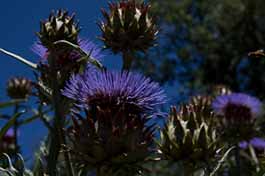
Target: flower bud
column 186, row 137
column 128, row 27
column 19, row 88
column 59, row 26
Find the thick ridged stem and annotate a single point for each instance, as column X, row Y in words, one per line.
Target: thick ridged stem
column 57, row 135
column 55, row 142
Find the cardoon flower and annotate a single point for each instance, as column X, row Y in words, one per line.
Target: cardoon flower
column 110, row 142
column 69, row 57
column 59, row 26
column 129, row 91
column 237, row 113
column 188, row 135
column 237, row 107
column 128, row 27
column 256, row 143
column 67, row 62
column 19, row 88
column 61, row 59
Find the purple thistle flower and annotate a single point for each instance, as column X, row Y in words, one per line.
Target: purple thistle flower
column 257, row 143
column 91, row 48
column 237, row 106
column 40, row 50
column 85, row 45
column 131, row 91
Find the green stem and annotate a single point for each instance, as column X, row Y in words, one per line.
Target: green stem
column 55, row 144
column 127, row 57
column 57, row 135
column 19, row 58
column 16, row 125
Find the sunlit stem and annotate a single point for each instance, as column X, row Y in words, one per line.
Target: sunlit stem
column 19, row 58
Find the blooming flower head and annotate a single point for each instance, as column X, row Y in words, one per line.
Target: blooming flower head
column 103, row 89
column 237, row 107
column 256, row 143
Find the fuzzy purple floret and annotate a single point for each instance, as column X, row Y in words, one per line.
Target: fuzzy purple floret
column 10, row 133
column 243, row 144
column 240, row 99
column 40, row 50
column 91, row 48
column 257, row 143
column 86, row 45
column 118, row 88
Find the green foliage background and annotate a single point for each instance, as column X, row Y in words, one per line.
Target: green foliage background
column 206, row 42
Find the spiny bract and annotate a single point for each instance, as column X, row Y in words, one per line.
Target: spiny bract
column 59, row 26
column 128, row 27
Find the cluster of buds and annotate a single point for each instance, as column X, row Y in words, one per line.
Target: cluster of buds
column 188, row 135
column 112, row 143
column 19, row 88
column 128, row 27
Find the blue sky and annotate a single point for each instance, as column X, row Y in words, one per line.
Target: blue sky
column 19, row 23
